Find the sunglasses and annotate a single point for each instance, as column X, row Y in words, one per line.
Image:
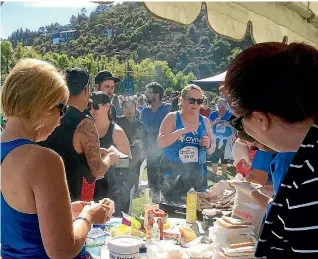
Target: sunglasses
column 236, row 122
column 63, row 108
column 96, row 106
column 193, row 100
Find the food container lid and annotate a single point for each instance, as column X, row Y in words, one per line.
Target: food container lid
column 124, row 245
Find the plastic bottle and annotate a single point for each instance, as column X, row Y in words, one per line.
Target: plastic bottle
column 143, row 252
column 202, row 153
column 191, row 210
column 155, row 231
column 160, row 215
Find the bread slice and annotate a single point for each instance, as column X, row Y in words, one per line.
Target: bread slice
column 227, row 225
column 187, row 234
column 240, row 241
column 233, row 221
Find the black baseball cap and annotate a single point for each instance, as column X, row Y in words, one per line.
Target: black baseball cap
column 77, row 79
column 99, row 98
column 105, row 75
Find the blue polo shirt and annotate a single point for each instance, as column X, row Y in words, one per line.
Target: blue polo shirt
column 279, row 168
column 153, row 121
column 262, row 161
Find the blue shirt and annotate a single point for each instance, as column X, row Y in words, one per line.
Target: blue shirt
column 220, row 129
column 153, row 121
column 279, row 167
column 262, row 161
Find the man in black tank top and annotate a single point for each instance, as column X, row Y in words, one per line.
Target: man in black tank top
column 76, row 141
column 105, row 82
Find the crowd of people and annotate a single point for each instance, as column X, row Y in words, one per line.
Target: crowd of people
column 62, row 146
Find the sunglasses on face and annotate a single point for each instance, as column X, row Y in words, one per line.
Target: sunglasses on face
column 63, row 108
column 96, row 106
column 193, row 100
column 236, row 122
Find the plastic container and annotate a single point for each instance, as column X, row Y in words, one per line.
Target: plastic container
column 149, row 218
column 125, row 247
column 191, row 210
column 160, row 214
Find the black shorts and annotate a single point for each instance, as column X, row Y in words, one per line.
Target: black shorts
column 219, row 154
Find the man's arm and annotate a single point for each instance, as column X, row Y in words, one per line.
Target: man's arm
column 87, row 135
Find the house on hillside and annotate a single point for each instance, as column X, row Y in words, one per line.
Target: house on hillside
column 114, row 32
column 68, row 35
column 64, row 36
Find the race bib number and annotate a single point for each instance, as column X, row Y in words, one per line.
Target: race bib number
column 188, row 154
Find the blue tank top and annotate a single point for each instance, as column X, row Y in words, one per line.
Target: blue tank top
column 186, row 148
column 20, row 232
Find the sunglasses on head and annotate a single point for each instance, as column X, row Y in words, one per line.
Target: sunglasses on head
column 63, row 108
column 236, row 122
column 193, row 100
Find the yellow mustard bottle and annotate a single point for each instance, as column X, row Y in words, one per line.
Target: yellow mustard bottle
column 191, row 210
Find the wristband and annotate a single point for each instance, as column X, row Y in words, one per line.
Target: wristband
column 83, row 218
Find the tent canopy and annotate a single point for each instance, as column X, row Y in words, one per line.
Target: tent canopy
column 211, row 83
column 271, row 21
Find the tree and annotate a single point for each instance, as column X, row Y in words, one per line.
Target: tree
column 74, row 21
column 7, row 57
column 189, row 49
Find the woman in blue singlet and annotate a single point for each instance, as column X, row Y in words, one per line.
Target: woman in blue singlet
column 36, row 211
column 185, row 137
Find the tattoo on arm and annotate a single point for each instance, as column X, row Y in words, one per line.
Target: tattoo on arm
column 90, row 144
column 88, row 130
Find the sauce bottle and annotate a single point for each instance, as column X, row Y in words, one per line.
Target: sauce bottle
column 191, row 210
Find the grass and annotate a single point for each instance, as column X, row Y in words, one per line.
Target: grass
column 139, row 199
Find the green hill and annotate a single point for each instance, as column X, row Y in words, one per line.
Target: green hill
column 137, row 35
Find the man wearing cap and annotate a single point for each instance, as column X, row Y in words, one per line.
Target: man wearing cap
column 76, row 141
column 223, row 134
column 105, row 82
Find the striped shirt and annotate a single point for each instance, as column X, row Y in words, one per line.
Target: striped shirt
column 291, row 227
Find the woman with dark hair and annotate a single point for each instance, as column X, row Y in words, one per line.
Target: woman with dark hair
column 115, row 184
column 137, row 136
column 272, row 89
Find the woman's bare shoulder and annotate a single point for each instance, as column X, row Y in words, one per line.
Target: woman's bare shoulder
column 40, row 159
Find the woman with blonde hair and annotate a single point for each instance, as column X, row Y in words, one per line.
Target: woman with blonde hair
column 184, row 136
column 36, row 210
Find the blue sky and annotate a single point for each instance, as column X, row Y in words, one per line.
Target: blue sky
column 33, row 15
